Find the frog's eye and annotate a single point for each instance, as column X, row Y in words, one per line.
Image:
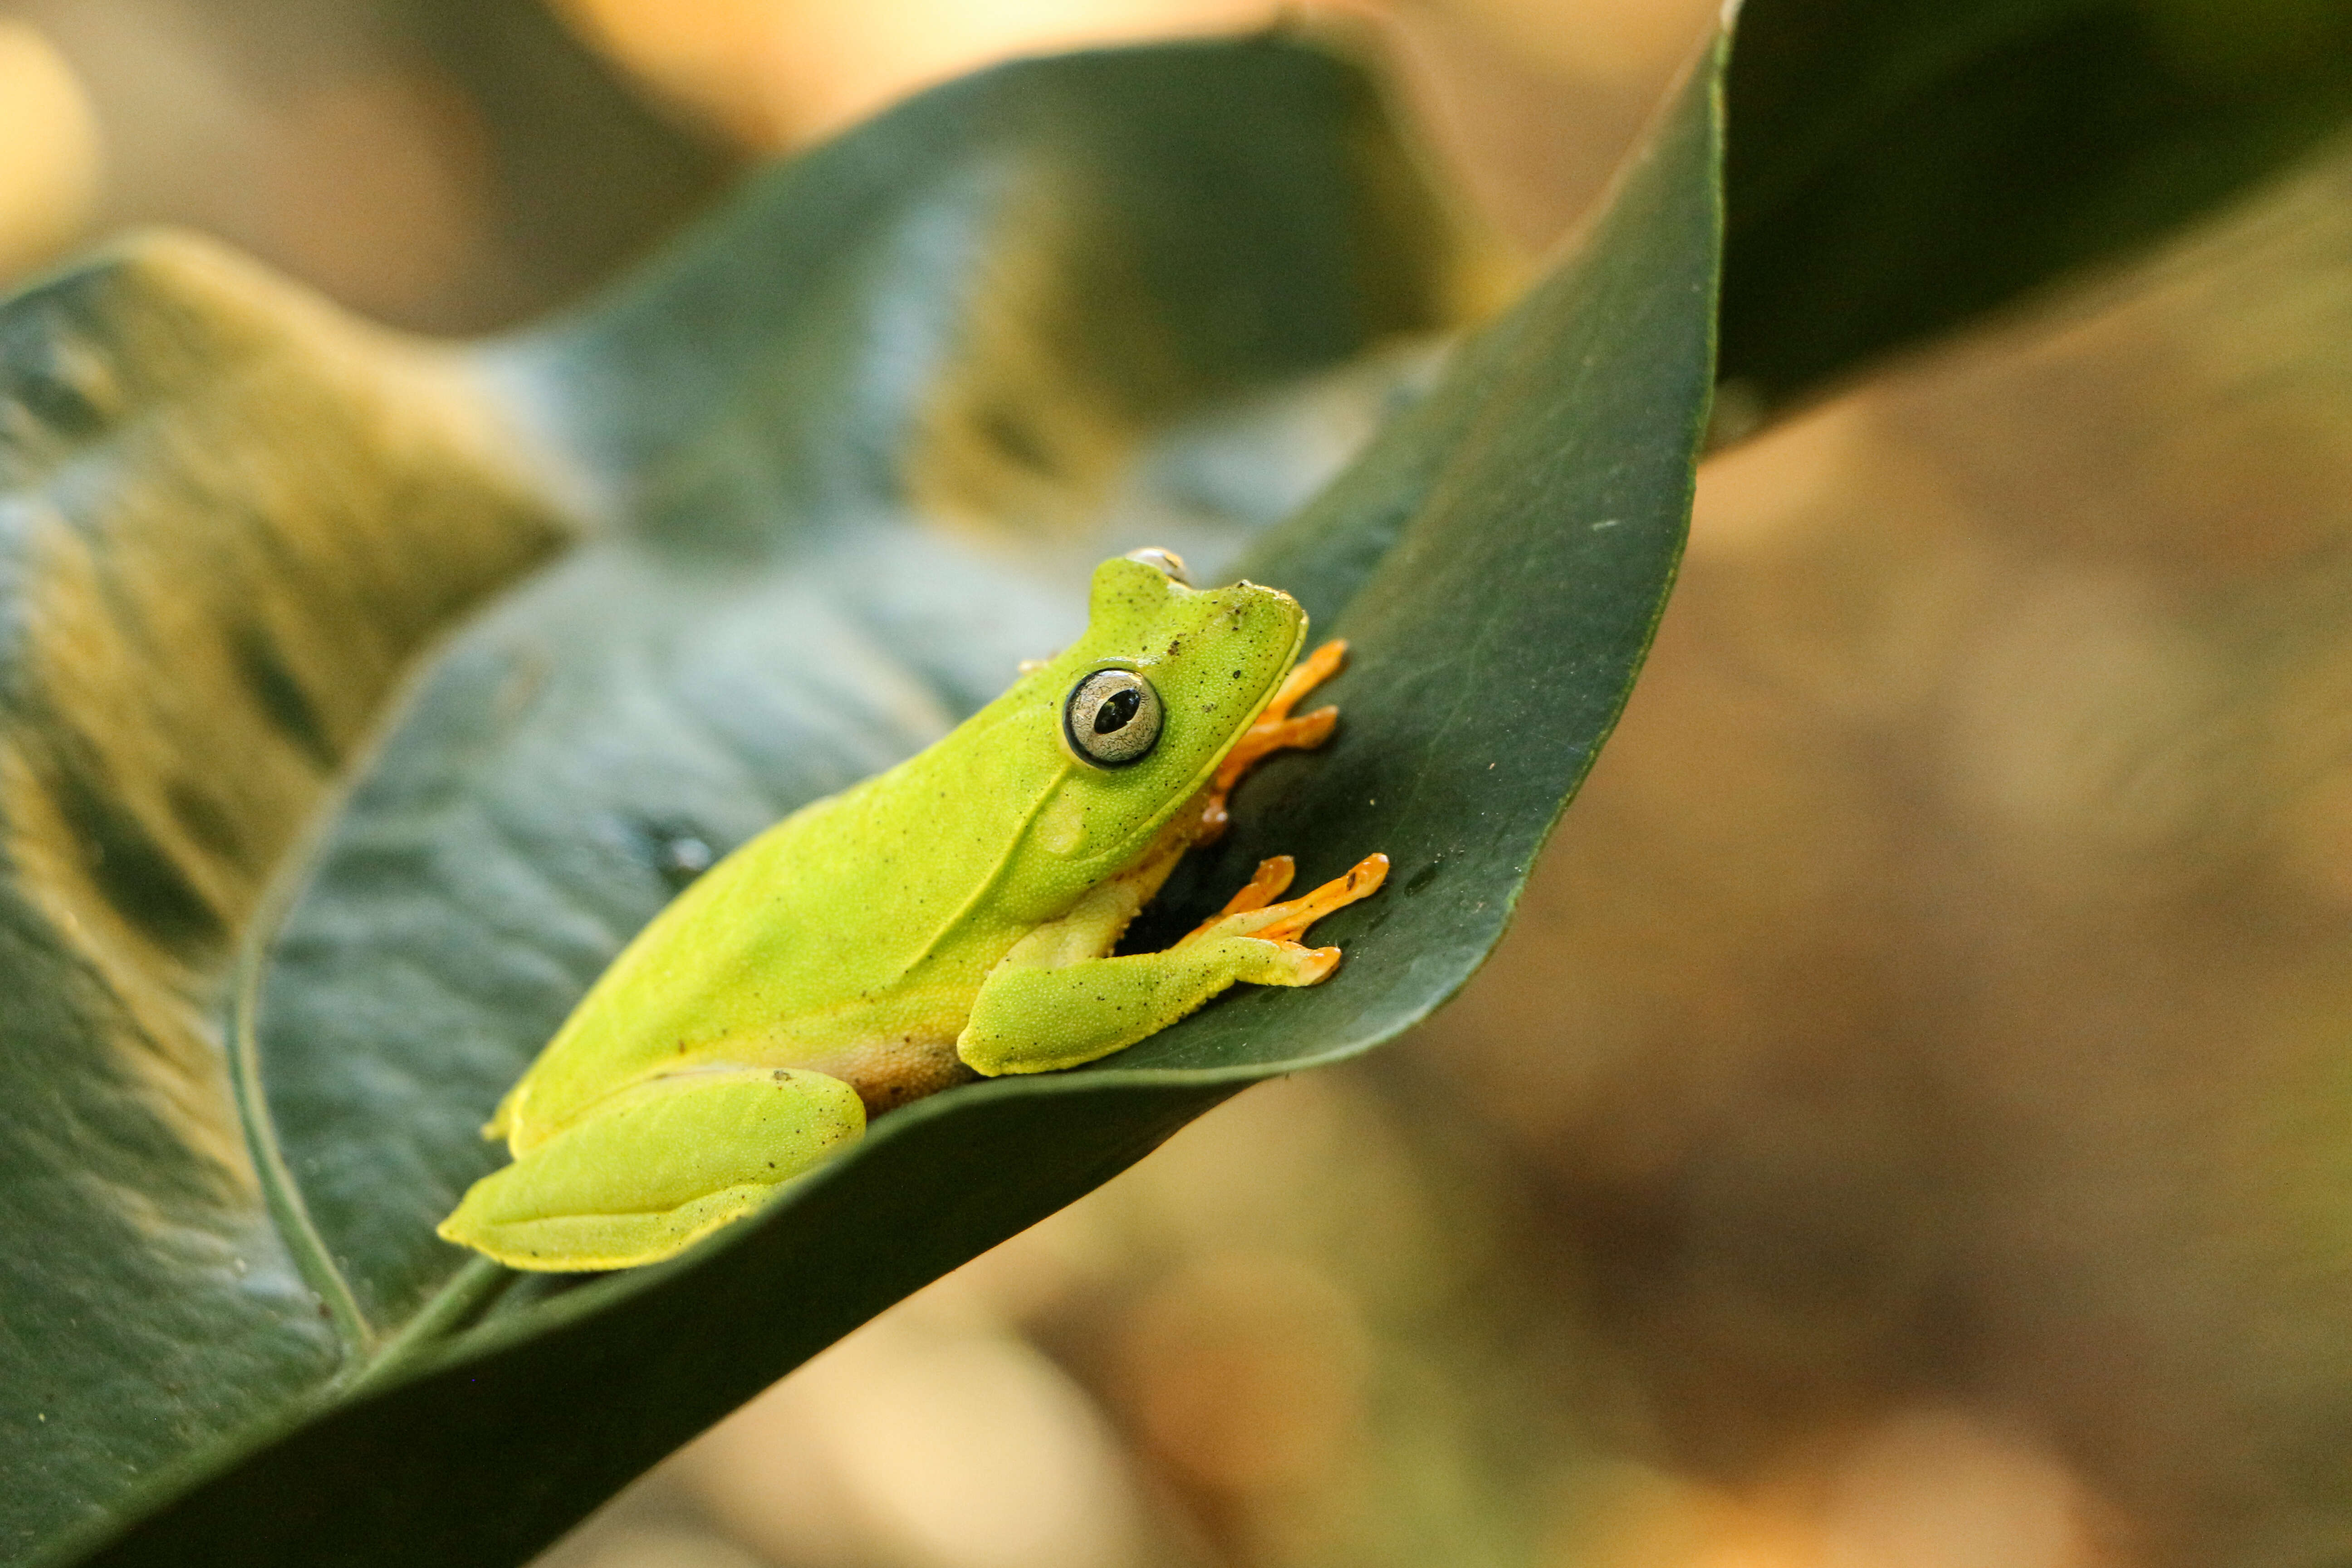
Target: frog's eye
column 1112, row 719
column 1165, row 562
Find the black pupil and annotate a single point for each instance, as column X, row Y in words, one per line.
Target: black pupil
column 1117, row 710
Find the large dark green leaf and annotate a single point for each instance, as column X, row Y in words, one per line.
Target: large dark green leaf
column 826, row 472
column 834, row 466
column 1898, row 166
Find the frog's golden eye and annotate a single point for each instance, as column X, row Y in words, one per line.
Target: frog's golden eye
column 1166, row 562
column 1112, row 719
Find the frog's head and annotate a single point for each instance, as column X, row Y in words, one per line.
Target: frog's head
column 1154, row 695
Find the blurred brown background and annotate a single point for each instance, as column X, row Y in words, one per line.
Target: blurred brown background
column 1908, row 1125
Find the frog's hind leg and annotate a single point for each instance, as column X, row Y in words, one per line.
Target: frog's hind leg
column 652, row 1171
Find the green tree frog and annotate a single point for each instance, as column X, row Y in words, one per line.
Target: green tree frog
column 954, row 916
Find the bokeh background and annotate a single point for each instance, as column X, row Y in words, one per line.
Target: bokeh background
column 1907, row 1124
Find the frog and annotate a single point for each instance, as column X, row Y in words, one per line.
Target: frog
column 953, row 919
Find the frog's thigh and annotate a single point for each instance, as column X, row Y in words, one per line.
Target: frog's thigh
column 658, row 1168
column 1040, row 1020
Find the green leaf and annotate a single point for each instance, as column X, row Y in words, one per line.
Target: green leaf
column 330, row 778
column 1897, row 167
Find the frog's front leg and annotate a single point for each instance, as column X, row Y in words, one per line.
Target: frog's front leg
column 1275, row 730
column 1052, row 1003
column 648, row 1172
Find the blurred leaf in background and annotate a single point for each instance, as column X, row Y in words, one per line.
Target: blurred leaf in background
column 1985, row 147
column 436, row 164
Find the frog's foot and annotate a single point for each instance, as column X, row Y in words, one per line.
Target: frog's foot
column 647, row 1173
column 1252, row 913
column 1276, row 730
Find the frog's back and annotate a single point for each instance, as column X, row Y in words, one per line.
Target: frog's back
column 856, row 918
